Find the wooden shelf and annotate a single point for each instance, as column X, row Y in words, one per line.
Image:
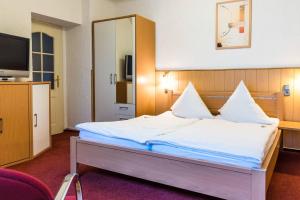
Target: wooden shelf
column 288, row 125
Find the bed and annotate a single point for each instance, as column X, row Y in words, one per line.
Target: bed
column 133, row 133
column 224, row 180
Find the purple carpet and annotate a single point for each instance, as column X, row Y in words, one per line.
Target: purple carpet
column 97, row 184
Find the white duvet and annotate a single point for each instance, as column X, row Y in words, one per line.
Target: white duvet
column 139, row 129
column 245, row 141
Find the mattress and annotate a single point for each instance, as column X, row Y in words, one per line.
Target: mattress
column 220, row 141
column 139, row 129
column 90, row 136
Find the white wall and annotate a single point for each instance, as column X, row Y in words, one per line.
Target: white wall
column 15, row 19
column 15, row 15
column 79, row 60
column 102, row 9
column 185, row 34
column 68, row 10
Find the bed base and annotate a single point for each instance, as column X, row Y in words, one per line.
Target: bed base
column 223, row 181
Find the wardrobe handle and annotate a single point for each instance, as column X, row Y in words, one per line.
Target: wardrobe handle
column 123, row 108
column 1, row 126
column 115, row 78
column 36, row 120
column 111, row 79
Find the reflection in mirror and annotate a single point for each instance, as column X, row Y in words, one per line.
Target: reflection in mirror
column 125, row 44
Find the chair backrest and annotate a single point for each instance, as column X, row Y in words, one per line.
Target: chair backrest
column 16, row 185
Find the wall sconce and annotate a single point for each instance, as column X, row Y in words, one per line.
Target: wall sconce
column 167, row 82
column 286, row 90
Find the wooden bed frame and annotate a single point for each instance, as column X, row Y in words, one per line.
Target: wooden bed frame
column 219, row 180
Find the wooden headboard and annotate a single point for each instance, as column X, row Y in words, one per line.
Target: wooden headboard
column 261, row 81
column 271, row 103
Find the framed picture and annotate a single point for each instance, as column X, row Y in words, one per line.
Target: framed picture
column 233, row 26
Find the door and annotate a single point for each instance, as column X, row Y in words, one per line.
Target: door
column 40, row 112
column 14, row 123
column 104, row 71
column 47, row 62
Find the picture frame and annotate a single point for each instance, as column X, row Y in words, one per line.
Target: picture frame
column 233, row 24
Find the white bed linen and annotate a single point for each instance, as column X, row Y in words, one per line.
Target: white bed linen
column 219, row 140
column 139, row 129
column 241, row 107
column 93, row 137
column 207, row 156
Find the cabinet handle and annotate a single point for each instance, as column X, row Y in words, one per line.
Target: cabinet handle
column 1, row 126
column 111, row 79
column 36, row 120
column 115, row 78
column 123, row 108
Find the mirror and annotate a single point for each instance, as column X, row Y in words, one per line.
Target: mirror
column 125, row 60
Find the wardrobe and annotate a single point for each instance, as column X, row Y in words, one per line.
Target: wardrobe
column 123, row 72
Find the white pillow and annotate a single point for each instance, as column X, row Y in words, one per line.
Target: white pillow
column 190, row 105
column 241, row 107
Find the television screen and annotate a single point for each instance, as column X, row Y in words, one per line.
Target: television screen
column 14, row 53
column 128, row 66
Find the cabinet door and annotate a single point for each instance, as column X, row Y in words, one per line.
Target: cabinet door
column 40, row 112
column 14, row 122
column 105, row 70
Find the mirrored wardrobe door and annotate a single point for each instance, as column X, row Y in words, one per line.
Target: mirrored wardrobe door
column 125, row 57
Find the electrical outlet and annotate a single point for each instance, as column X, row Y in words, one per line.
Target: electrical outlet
column 286, row 90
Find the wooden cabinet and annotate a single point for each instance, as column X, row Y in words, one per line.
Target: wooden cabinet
column 15, row 130
column 16, row 121
column 291, row 134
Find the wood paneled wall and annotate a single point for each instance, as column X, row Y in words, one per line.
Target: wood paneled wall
column 257, row 80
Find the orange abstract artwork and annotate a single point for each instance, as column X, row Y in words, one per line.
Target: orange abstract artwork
column 233, row 24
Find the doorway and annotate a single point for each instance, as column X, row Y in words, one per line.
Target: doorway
column 47, row 65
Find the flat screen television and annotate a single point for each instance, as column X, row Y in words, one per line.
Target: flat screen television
column 128, row 67
column 14, row 56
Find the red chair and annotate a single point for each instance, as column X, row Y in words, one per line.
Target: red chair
column 16, row 185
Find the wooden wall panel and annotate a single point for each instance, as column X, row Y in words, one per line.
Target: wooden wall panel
column 262, row 80
column 160, row 96
column 251, row 81
column 296, row 107
column 287, row 78
column 196, row 79
column 219, row 81
column 183, row 79
column 274, row 80
column 209, row 82
column 257, row 80
column 229, row 81
column 238, row 76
